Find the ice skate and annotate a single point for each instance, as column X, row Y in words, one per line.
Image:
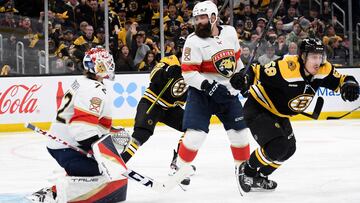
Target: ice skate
column 45, row 195
column 257, row 183
column 174, row 168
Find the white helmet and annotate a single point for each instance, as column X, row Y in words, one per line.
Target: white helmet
column 99, row 62
column 205, row 7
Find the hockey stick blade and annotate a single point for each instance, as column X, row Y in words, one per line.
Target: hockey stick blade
column 342, row 116
column 131, row 174
column 317, row 110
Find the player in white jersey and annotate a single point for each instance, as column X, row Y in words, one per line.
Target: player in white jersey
column 210, row 57
column 84, row 117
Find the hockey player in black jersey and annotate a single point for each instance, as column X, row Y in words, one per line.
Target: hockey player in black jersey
column 167, row 109
column 278, row 90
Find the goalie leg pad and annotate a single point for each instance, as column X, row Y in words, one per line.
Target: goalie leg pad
column 108, row 158
column 91, row 189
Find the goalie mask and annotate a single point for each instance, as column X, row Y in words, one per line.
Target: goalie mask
column 100, row 62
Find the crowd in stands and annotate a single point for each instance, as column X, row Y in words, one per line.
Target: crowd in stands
column 77, row 25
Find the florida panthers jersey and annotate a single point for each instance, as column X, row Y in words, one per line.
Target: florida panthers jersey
column 213, row 58
column 85, row 111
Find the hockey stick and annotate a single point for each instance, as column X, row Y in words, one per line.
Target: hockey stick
column 317, row 110
column 339, row 117
column 158, row 97
column 263, row 34
column 131, row 174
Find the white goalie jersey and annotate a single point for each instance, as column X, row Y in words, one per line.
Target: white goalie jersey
column 213, row 58
column 85, row 111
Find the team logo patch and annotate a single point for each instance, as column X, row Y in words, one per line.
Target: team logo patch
column 150, row 122
column 187, row 54
column 224, row 62
column 291, row 65
column 300, row 103
column 95, row 104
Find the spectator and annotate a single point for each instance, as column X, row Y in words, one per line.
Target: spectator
column 172, row 23
column 292, row 49
column 139, row 48
column 280, row 46
column 243, row 35
column 5, row 70
column 291, row 15
column 335, row 50
column 93, row 15
column 279, row 27
column 124, row 62
column 100, row 35
column 85, row 43
column 8, row 21
column 82, row 27
column 330, row 32
column 268, row 56
column 294, row 36
column 148, row 63
column 245, row 55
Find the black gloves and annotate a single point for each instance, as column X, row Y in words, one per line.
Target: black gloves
column 350, row 89
column 173, row 71
column 240, row 82
column 216, row 91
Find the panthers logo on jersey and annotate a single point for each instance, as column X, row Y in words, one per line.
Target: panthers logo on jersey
column 224, row 62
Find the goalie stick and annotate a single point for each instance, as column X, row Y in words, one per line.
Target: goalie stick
column 131, row 174
column 339, row 117
column 317, row 110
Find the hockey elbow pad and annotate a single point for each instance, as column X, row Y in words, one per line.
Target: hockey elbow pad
column 173, row 71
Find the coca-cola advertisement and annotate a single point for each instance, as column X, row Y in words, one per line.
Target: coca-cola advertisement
column 27, row 99
column 20, row 99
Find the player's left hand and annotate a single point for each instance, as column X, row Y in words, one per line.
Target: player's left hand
column 173, row 71
column 240, row 82
column 350, row 89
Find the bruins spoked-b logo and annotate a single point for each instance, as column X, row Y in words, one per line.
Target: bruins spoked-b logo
column 301, row 102
column 224, row 62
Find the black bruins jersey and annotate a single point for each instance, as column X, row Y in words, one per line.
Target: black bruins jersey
column 282, row 87
column 175, row 94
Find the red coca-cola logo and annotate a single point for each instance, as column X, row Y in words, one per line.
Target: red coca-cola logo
column 18, row 99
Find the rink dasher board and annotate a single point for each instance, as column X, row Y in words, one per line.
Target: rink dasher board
column 35, row 99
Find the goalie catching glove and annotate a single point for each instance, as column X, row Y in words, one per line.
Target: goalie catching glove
column 121, row 138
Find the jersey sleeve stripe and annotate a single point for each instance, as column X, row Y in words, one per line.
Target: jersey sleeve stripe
column 237, row 55
column 105, row 122
column 83, row 116
column 204, row 67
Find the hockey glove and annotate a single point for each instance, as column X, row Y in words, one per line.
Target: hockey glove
column 216, row 91
column 240, row 82
column 350, row 89
column 173, row 71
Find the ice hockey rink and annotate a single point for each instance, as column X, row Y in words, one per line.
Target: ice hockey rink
column 325, row 167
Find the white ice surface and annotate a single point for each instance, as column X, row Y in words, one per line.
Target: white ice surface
column 325, row 167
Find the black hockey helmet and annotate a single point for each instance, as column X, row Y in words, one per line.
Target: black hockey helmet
column 311, row 45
